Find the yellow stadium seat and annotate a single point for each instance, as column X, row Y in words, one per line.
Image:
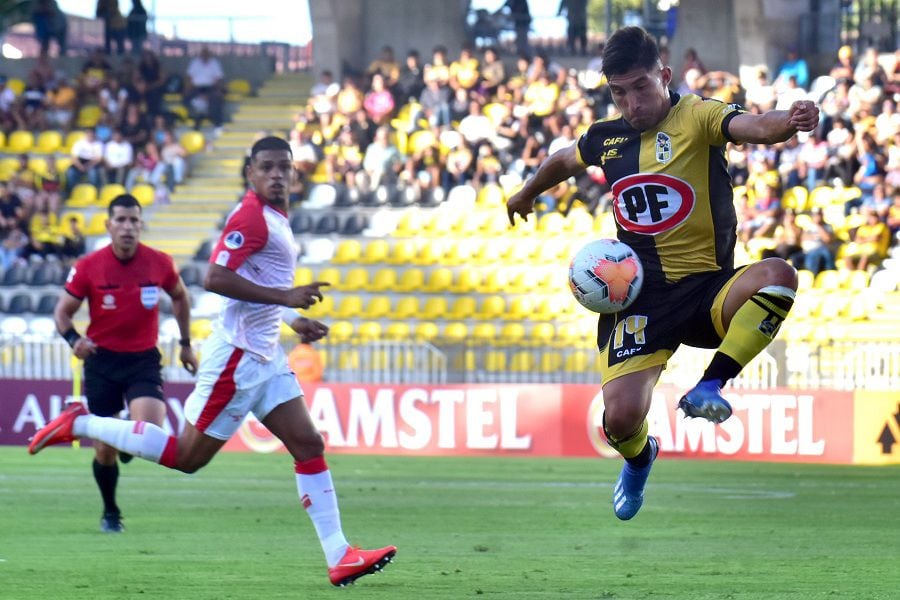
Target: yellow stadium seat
column 491, row 197
column 340, row 331
column 435, row 308
column 83, row 195
column 492, row 307
column 349, row 307
column 522, row 361
column 410, row 223
column 857, row 280
column 376, row 251
column 550, row 362
column 494, row 281
column 377, row 307
column 821, row 197
column 455, row 332
column 145, row 194
column 402, row 253
column 48, row 142
column 412, row 280
column 88, row 116
column 426, row 332
column 398, row 331
column 805, row 280
column 237, row 89
column 96, row 224
column 551, row 223
column 109, row 192
column 496, row 112
column 20, row 142
column 384, row 280
column 37, row 165
column 463, row 307
column 407, row 307
column 2, row 140
column 71, row 138
column 512, row 333
column 484, row 332
column 543, row 333
column 430, row 253
column 439, row 280
column 321, row 309
column 368, row 331
column 519, row 308
column 355, row 280
column 348, row 251
column 65, row 227
column 193, row 141
column 16, row 84
column 303, row 276
column 466, row 281
column 827, row 280
column 420, row 140
column 201, row 328
column 330, row 275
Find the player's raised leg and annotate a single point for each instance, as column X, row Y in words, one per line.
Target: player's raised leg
column 752, row 307
column 291, row 423
column 626, row 402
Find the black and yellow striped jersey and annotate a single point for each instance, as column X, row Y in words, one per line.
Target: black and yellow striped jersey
column 672, row 193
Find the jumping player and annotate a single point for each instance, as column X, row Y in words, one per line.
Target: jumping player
column 664, row 157
column 243, row 368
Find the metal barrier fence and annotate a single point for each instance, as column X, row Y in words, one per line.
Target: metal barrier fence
column 806, row 365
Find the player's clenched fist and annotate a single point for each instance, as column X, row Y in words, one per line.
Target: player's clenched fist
column 804, row 115
column 304, row 296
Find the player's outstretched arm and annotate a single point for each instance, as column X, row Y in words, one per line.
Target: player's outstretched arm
column 226, row 282
column 775, row 125
column 559, row 167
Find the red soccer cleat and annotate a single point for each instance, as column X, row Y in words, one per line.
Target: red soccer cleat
column 358, row 562
column 57, row 431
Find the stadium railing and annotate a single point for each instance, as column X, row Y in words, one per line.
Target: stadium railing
column 809, row 365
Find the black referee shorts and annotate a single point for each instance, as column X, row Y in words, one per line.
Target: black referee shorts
column 113, row 379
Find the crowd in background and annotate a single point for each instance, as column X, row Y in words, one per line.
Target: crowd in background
column 419, row 126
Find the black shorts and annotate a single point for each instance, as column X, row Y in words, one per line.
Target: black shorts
column 662, row 318
column 113, row 379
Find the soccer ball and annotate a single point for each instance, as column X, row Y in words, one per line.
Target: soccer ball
column 605, row 276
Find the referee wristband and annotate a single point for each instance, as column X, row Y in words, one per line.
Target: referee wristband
column 185, row 342
column 71, row 336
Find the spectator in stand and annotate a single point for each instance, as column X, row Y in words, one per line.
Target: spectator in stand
column 44, row 238
column 865, row 97
column 136, row 29
column 13, row 214
column 819, row 243
column 871, row 170
column 464, row 70
column 118, row 158
column 74, row 244
column 869, row 67
column 114, row 25
column 691, row 62
column 435, row 102
column 386, row 66
column 350, row 98
column 33, row 111
column 49, row 186
column 789, row 92
column 304, row 153
column 134, row 126
column 62, row 104
column 382, row 160
column 893, row 84
column 869, row 243
column 764, row 211
column 475, row 126
column 363, row 129
column 459, row 166
column 379, row 102
column 721, row 85
column 150, row 82
column 892, row 168
column 172, row 161
column 487, row 168
column 493, row 73
column 893, row 216
column 887, row 123
column 412, row 78
column 49, row 24
column 345, row 163
column 323, row 95
column 113, row 98
column 521, row 17
column 438, row 69
column 87, row 161
column 576, row 30
column 93, row 76
column 788, row 163
column 787, row 238
column 843, row 68
column 459, row 104
column 8, row 121
column 794, row 66
column 145, row 161
column 23, row 183
column 205, row 90
column 12, row 246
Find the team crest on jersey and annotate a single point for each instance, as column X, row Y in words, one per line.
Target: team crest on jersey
column 149, row 296
column 234, row 240
column 652, row 203
column 663, row 148
column 109, row 302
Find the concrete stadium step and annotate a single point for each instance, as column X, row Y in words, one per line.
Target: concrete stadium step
column 218, row 207
column 182, row 219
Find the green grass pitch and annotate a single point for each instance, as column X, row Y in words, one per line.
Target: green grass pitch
column 465, row 528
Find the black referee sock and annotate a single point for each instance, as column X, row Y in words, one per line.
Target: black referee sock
column 107, row 477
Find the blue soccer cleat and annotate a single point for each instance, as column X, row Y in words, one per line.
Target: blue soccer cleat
column 705, row 400
column 628, row 495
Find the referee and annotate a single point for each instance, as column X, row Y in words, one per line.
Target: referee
column 122, row 365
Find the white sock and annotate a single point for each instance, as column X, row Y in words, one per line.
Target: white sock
column 318, row 497
column 139, row 438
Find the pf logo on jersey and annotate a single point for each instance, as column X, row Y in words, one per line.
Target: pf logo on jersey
column 652, row 203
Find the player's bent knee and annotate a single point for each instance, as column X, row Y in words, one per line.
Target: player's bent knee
column 621, row 419
column 780, row 272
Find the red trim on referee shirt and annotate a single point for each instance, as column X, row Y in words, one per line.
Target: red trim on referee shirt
column 311, row 466
column 222, row 392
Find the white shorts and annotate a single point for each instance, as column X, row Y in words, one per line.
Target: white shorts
column 231, row 384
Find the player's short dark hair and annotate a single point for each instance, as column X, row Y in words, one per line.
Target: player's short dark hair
column 125, row 201
column 269, row 143
column 629, row 48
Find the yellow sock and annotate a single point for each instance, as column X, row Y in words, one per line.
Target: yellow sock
column 632, row 445
column 754, row 325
